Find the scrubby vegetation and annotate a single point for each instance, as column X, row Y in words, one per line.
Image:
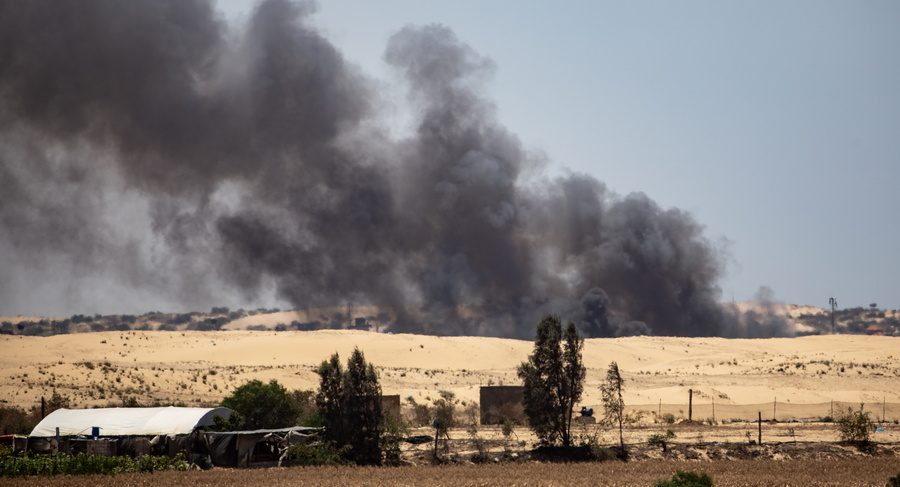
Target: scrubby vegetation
column 661, row 439
column 319, row 453
column 854, row 426
column 12, row 466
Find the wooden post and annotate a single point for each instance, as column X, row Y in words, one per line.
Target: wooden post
column 714, row 409
column 690, row 405
column 759, row 427
column 832, row 410
column 883, row 403
column 58, row 440
column 659, row 411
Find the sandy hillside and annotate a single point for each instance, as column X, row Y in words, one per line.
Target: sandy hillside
column 201, row 367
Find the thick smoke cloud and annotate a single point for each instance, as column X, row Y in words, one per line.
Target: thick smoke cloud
column 150, row 144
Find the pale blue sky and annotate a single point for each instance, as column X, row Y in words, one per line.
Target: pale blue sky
column 777, row 124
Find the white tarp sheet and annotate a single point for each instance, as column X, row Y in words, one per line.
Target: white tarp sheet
column 128, row 421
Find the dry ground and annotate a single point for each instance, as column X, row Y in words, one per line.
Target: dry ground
column 828, row 472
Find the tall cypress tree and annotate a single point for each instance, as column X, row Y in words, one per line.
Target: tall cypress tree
column 330, row 397
column 350, row 403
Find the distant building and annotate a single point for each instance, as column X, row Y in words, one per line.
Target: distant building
column 390, row 407
column 361, row 324
column 874, row 330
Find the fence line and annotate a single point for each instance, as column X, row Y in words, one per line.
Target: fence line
column 778, row 410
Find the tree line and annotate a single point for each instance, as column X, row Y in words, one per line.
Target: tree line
column 347, row 404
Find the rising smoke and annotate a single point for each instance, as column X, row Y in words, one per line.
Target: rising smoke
column 147, row 145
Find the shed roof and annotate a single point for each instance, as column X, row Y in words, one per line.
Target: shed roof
column 128, row 421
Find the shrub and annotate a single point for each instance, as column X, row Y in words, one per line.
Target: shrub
column 687, row 479
column 668, row 418
column 445, row 411
column 394, row 432
column 661, row 440
column 317, row 454
column 854, row 426
column 481, row 455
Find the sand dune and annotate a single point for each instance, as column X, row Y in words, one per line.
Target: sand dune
column 201, row 367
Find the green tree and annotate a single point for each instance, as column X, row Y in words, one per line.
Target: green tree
column 613, row 404
column 305, row 405
column 350, row 404
column 259, row 405
column 330, row 398
column 553, row 379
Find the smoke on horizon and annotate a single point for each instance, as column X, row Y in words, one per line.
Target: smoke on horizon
column 148, row 145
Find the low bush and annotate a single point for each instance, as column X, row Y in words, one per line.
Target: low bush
column 854, row 426
column 12, row 466
column 687, row 479
column 317, row 454
column 661, row 440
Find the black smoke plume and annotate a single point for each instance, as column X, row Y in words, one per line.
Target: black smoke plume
column 148, row 145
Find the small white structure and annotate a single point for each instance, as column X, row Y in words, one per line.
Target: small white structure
column 128, row 421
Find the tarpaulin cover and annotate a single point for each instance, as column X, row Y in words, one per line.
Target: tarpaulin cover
column 128, row 421
column 235, row 448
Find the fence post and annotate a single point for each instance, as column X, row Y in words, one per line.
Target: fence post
column 714, row 408
column 690, row 404
column 759, row 427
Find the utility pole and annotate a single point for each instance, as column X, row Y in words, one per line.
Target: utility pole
column 833, row 303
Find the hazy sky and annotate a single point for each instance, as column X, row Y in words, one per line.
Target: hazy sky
column 777, row 124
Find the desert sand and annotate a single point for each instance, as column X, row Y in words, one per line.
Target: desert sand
column 741, row 376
